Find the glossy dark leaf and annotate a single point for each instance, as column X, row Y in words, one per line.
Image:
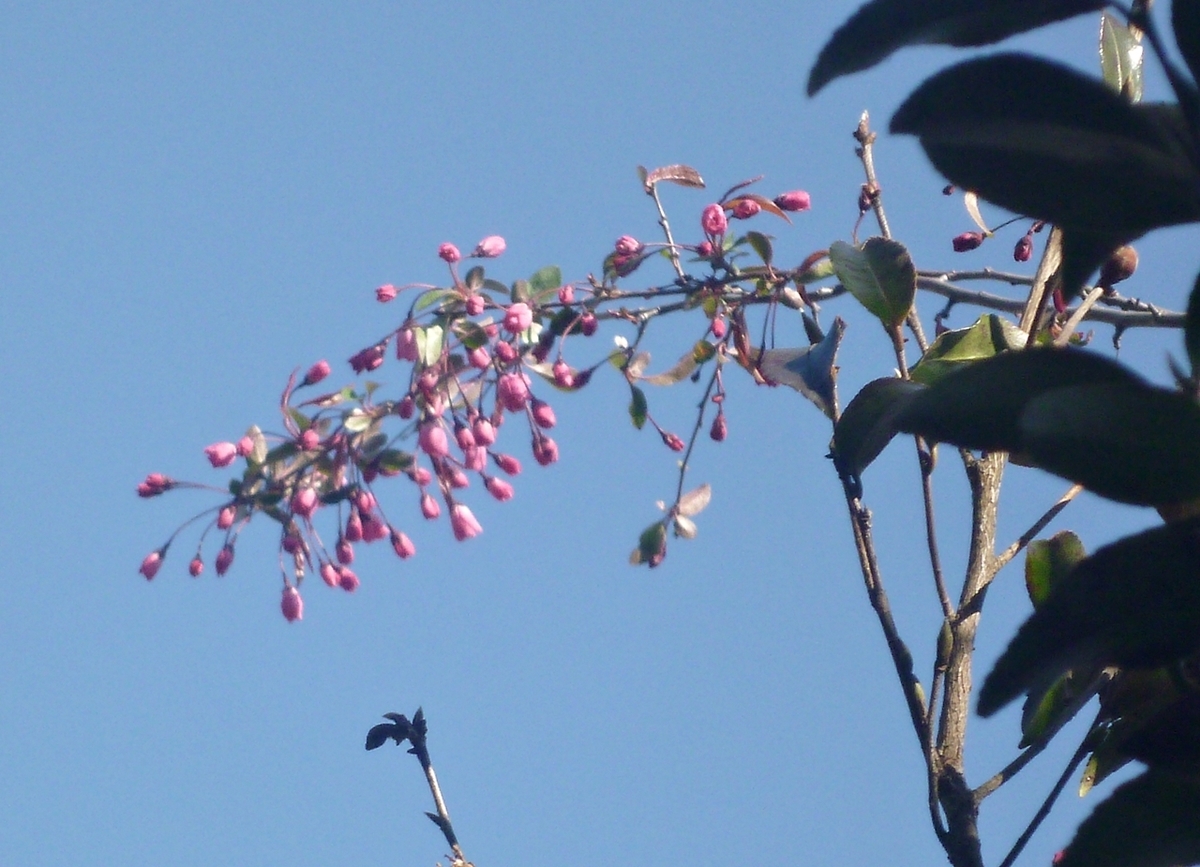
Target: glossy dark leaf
column 979, row 406
column 1151, row 821
column 1121, row 57
column 1191, row 328
column 1049, row 561
column 1134, row 603
column 810, row 370
column 637, row 407
column 868, row 424
column 989, row 335
column 762, row 246
column 1185, row 21
column 880, row 275
column 883, row 26
column 1041, row 139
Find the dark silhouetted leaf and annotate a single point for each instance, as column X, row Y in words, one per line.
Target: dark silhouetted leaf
column 879, row 274
column 1185, row 21
column 762, row 246
column 1151, row 821
column 868, row 424
column 811, row 370
column 1191, row 328
column 1083, row 251
column 1041, row 139
column 398, row 730
column 637, row 407
column 1048, row 561
column 987, row 336
column 883, row 26
column 1055, row 707
column 685, row 176
column 1134, row 603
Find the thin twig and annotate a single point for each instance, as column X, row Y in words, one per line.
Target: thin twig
column 1088, row 302
column 666, row 227
column 1032, row 533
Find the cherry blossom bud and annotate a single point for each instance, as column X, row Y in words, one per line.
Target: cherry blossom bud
column 673, row 442
column 704, row 250
column 449, row 253
column 745, row 209
column 517, row 317
column 221, row 454
column 713, row 221
column 1024, row 248
column 566, row 294
column 365, row 501
column 545, row 450
column 433, row 440
column 304, row 502
column 367, row 359
column 344, row 551
column 406, row 345
column 406, row 407
column 506, row 352
column 292, row 543
column 508, row 464
column 563, row 376
column 402, row 545
column 292, row 605
column 463, row 523
column 245, row 446
column 512, row 390
column 717, row 327
column 225, row 517
column 224, row 559
column 499, row 488
column 588, row 324
column 155, row 484
column 719, row 428
column 196, row 566
column 482, row 432
column 329, row 574
column 479, row 358
column 429, row 507
column 385, row 293
column 373, row 529
column 316, row 373
column 309, row 440
column 151, row 564
column 463, row 436
column 796, row 200
column 347, row 580
column 967, row 241
column 354, row 526
column 490, row 247
column 543, row 414
column 422, row 476
column 456, row 478
column 627, row 245
column 475, row 458
column 474, row 304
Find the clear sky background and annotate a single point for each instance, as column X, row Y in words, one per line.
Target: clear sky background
column 199, row 197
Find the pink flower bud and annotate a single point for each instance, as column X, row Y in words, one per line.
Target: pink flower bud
column 354, row 526
column 432, row 440
column 245, row 446
column 796, row 200
column 292, row 605
column 456, row 478
column 713, row 221
column 367, row 359
column 406, row 407
column 402, row 545
column 517, row 317
column 304, row 502
column 309, row 440
column 704, row 250
column 224, row 559
column 746, row 208
column 673, row 442
column 365, row 501
column 512, row 390
column 374, row 529
column 347, row 580
column 225, row 517
column 429, row 507
column 967, row 241
column 385, row 293
column 1024, row 248
column 155, row 484
column 719, row 428
column 449, row 253
column 543, row 414
column 463, row 523
column 506, row 352
column 316, row 373
column 221, row 454
column 490, row 247
column 508, row 464
column 421, row 476
column 292, row 543
column 588, row 324
column 151, row 564
column 627, row 245
column 406, row 345
column 475, row 304
column 564, row 377
column 196, row 566
column 479, row 358
column 483, row 432
column 344, row 551
column 566, row 294
column 499, row 488
column 463, row 436
column 475, row 458
column 545, row 450
column 329, row 574
column 717, row 327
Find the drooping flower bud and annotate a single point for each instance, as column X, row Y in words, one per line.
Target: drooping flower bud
column 517, row 317
column 543, row 414
column 151, row 564
column 967, row 241
column 402, row 545
column 196, row 566
column 674, row 443
column 463, row 436
column 374, row 529
column 563, row 375
column 512, row 390
column 463, row 523
column 475, row 458
column 367, row 359
column 704, row 250
column 354, row 526
column 713, row 221
column 746, row 208
column 292, row 605
column 225, row 517
column 499, row 488
column 344, row 551
column 588, row 324
column 385, row 293
column 506, row 352
column 449, row 253
column 717, row 326
column 406, row 345
column 221, row 454
column 490, row 247
column 304, row 502
column 329, row 574
column 796, row 200
column 508, row 464
column 1024, row 248
column 433, row 440
column 347, row 580
column 316, row 373
column 224, row 559
column 1119, row 266
column 719, row 428
column 155, row 484
column 483, row 431
column 545, row 450
column 422, row 476
column 429, row 507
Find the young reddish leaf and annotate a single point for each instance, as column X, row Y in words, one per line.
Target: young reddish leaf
column 685, row 176
column 695, row 501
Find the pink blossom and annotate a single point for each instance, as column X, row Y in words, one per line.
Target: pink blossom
column 292, row 605
column 402, row 545
column 374, row 529
column 225, row 517
column 316, row 373
column 713, row 221
column 490, row 247
column 406, row 345
column 545, row 450
column 151, row 564
column 746, row 208
column 564, row 377
column 475, row 458
column 245, row 446
column 463, row 523
column 224, row 559
column 329, row 574
column 155, row 484
column 795, row 200
column 967, row 241
column 483, row 431
column 704, row 250
column 344, row 551
column 433, row 440
column 566, row 294
column 479, row 358
column 385, row 293
column 717, row 326
column 627, row 245
column 196, row 566
column 475, row 304
column 506, row 352
column 406, row 407
column 304, row 502
column 543, row 414
column 512, row 390
column 517, row 317
column 499, row 488
column 367, row 359
column 429, row 507
column 354, row 526
column 422, row 476
column 588, row 324
column 449, row 253
column 347, row 580
column 221, row 454
column 719, row 428
column 309, row 440
column 508, row 464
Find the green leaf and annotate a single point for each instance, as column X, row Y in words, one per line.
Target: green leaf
column 883, row 26
column 430, row 298
column 495, row 287
column 1041, row 139
column 637, row 407
column 1124, row 440
column 520, row 291
column 868, row 424
column 652, row 544
column 989, row 335
column 357, row 421
column 811, row 370
column 1048, row 561
column 703, row 352
column 1191, row 328
column 474, row 279
column 471, row 333
column 545, row 282
column 429, row 344
column 1185, row 21
column 879, row 274
column 1055, row 707
column 281, row 452
column 695, row 501
column 979, row 406
column 258, row 454
column 762, row 246
column 395, row 461
column 1121, row 57
column 1151, row 821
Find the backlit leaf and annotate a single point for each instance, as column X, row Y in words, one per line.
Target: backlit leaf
column 696, row 500
column 879, row 274
column 685, row 176
column 1048, row 561
column 1121, row 57
column 989, row 335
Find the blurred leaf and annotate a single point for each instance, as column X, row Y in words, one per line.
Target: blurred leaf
column 637, row 407
column 1185, row 21
column 281, row 452
column 695, row 501
column 879, row 274
column 1124, row 440
column 819, row 270
column 685, row 528
column 520, row 291
column 1098, row 768
column 704, row 351
column 474, row 279
column 357, row 421
column 762, row 246
column 987, row 336
column 545, row 282
column 811, row 370
column 883, row 26
column 258, row 454
column 494, row 286
column 1083, row 251
column 637, row 365
column 1191, row 328
column 972, row 204
column 429, row 344
column 1047, row 711
column 763, row 202
column 393, row 461
column 1120, row 57
column 1048, row 561
column 685, row 176
column 431, row 297
column 979, row 406
column 651, row 545
column 680, row 371
column 868, row 424
column 1151, row 821
column 471, row 333
column 1040, row 139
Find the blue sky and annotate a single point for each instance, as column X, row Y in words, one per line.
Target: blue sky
column 199, row 198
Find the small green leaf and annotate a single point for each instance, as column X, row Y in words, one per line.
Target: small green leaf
column 393, row 461
column 520, row 291
column 357, row 421
column 762, row 246
column 471, row 333
column 545, row 282
column 879, row 274
column 474, row 279
column 429, row 344
column 987, row 336
column 637, row 407
column 1048, row 561
column 258, row 454
column 1121, row 57
column 430, row 298
column 1055, row 707
column 652, row 545
column 495, row 287
column 704, row 351
column 868, row 424
column 1191, row 328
